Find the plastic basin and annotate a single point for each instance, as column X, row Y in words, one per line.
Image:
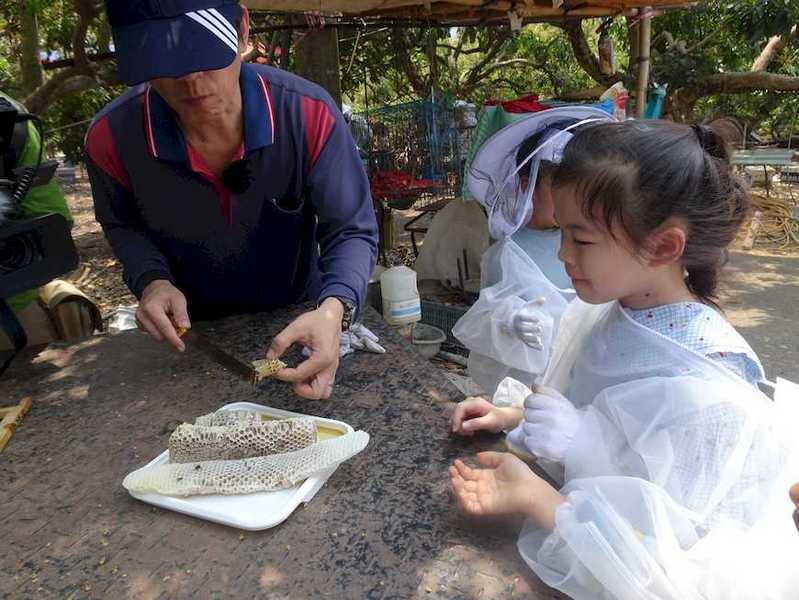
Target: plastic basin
column 427, row 339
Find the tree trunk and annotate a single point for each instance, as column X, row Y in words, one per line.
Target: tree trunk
column 317, row 60
column 642, row 75
column 285, row 49
column 30, row 67
column 401, row 58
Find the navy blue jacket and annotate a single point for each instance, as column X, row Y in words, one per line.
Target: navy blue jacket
column 304, row 229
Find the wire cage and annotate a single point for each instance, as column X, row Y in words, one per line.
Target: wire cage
column 415, row 153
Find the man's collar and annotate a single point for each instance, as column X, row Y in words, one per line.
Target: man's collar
column 165, row 139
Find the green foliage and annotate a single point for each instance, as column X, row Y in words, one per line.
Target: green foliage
column 719, row 36
column 759, row 19
column 70, row 113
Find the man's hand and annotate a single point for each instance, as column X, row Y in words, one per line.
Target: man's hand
column 161, row 309
column 505, row 485
column 318, row 330
column 478, row 414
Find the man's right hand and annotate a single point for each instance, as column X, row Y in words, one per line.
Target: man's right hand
column 161, row 309
column 478, row 414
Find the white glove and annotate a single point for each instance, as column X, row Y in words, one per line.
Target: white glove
column 526, row 324
column 550, row 422
column 510, row 393
column 357, row 337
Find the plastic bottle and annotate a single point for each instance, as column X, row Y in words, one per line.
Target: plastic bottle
column 401, row 303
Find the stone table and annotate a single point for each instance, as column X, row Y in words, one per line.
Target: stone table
column 383, row 526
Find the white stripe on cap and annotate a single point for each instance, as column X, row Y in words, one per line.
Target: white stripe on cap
column 229, row 40
column 212, row 12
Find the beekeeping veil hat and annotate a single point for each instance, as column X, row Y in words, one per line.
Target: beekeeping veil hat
column 493, row 177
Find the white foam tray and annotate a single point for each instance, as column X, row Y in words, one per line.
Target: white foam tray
column 252, row 512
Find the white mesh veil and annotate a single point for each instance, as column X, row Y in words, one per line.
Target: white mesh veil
column 493, row 176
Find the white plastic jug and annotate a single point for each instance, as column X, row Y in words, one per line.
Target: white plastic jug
column 400, row 296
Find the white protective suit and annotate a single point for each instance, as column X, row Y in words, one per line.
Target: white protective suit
column 510, row 278
column 496, row 351
column 677, row 478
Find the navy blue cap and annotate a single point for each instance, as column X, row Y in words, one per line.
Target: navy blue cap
column 172, row 38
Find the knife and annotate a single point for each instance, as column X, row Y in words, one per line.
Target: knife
column 232, row 364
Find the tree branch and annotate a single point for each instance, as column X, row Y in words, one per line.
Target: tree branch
column 585, row 57
column 582, row 95
column 739, row 83
column 77, row 78
column 772, row 48
column 476, row 74
column 684, row 99
column 69, row 81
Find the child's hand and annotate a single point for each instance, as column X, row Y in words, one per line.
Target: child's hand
column 795, row 498
column 478, row 414
column 505, row 485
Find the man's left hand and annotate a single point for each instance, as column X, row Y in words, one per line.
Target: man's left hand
column 319, row 330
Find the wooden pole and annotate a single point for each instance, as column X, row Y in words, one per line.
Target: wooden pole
column 644, row 42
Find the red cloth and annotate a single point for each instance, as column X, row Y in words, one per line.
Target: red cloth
column 389, row 185
column 525, row 104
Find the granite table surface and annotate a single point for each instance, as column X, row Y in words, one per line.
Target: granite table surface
column 383, row 526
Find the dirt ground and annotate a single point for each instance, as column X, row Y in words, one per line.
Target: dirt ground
column 761, row 298
column 761, row 287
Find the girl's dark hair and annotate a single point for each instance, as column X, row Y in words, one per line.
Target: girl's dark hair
column 637, row 174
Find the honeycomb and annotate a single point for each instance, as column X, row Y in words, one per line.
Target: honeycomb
column 248, row 475
column 267, row 367
column 223, row 418
column 244, row 438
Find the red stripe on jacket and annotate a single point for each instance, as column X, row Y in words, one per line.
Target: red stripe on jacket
column 318, row 123
column 101, row 149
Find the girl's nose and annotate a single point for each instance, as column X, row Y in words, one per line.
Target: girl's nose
column 564, row 254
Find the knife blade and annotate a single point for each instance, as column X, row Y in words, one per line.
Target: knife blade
column 222, row 358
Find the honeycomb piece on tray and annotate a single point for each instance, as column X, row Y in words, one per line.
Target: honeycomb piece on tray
column 224, row 418
column 191, row 443
column 263, row 473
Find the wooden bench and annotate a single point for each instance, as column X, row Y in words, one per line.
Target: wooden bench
column 778, row 158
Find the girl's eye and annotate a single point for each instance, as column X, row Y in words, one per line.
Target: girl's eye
column 583, row 243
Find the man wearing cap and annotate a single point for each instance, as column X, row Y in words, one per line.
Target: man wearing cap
column 226, row 187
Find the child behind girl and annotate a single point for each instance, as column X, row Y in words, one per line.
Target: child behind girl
column 674, row 462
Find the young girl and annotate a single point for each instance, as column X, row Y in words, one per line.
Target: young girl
column 674, row 462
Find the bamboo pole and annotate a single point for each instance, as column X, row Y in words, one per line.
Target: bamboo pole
column 12, row 417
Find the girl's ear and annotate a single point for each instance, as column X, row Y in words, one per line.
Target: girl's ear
column 665, row 246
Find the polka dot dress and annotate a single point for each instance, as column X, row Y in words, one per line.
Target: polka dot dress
column 700, row 328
